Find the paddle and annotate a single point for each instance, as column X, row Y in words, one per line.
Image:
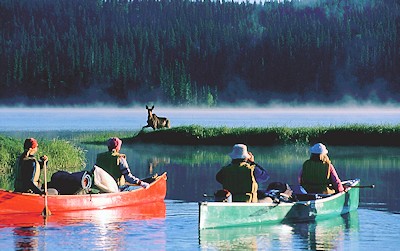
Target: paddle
column 46, row 212
column 368, row 186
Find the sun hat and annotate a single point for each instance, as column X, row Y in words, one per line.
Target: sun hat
column 114, row 143
column 239, row 151
column 30, row 143
column 319, row 148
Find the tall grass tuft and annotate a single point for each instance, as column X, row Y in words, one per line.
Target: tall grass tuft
column 63, row 155
column 9, row 151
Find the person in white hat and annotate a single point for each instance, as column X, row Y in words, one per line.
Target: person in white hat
column 242, row 176
column 318, row 175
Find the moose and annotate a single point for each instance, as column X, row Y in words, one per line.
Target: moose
column 155, row 122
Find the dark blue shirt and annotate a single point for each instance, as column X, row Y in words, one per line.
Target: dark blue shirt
column 260, row 174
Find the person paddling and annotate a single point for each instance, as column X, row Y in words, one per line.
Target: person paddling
column 28, row 167
column 116, row 165
column 242, row 176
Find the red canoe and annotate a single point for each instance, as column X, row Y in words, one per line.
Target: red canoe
column 17, row 203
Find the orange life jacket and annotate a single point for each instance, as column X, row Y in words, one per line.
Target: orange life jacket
column 238, row 178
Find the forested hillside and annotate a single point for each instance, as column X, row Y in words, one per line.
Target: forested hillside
column 198, row 52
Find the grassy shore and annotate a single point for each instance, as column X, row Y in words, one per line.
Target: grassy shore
column 335, row 135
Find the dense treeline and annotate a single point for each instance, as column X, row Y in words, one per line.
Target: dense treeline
column 198, row 52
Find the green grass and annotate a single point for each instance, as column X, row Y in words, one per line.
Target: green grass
column 63, row 155
column 376, row 135
column 9, row 151
column 100, row 137
column 335, row 135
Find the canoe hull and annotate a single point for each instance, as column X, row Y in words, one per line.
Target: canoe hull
column 222, row 214
column 17, row 203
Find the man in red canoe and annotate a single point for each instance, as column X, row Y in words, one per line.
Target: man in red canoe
column 116, row 165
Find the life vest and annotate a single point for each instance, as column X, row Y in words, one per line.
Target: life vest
column 238, row 178
column 21, row 178
column 315, row 177
column 109, row 161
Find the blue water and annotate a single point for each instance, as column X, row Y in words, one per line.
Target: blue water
column 360, row 230
column 98, row 119
column 374, row 226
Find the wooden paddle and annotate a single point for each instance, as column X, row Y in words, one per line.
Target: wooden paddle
column 46, row 212
column 368, row 186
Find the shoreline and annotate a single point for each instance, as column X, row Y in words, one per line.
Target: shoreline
column 335, row 135
column 350, row 134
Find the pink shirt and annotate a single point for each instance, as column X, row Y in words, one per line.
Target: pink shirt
column 334, row 177
column 337, row 183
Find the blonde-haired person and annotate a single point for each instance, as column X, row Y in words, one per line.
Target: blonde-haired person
column 318, row 175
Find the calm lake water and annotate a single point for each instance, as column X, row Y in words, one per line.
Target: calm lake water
column 59, row 119
column 191, row 173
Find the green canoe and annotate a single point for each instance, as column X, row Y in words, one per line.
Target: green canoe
column 224, row 214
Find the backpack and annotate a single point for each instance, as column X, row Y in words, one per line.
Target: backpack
column 278, row 192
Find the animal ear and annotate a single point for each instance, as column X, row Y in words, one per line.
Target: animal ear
column 147, row 107
column 152, row 107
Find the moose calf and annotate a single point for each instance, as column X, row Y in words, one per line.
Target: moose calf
column 155, row 122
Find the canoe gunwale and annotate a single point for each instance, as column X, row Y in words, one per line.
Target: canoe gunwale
column 245, row 204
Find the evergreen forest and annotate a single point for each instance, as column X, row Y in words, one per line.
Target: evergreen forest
column 199, row 52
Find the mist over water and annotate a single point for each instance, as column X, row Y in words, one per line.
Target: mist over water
column 112, row 118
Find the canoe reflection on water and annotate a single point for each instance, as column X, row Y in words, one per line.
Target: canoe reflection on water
column 96, row 228
column 315, row 235
column 95, row 217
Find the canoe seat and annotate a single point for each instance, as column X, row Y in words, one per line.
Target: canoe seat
column 311, row 196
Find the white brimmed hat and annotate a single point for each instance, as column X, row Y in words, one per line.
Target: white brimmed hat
column 239, row 151
column 319, row 149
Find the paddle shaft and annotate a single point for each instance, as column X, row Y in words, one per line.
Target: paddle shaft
column 46, row 212
column 369, row 186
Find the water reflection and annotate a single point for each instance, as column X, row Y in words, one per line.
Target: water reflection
column 103, row 217
column 318, row 235
column 26, row 238
column 101, row 229
column 327, row 234
column 191, row 169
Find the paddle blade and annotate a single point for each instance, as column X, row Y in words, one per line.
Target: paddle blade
column 46, row 212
